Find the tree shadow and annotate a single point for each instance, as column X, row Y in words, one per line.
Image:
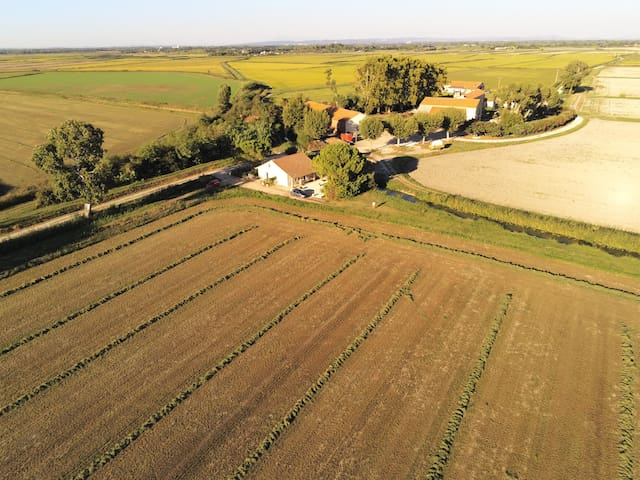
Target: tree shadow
column 583, row 89
column 404, row 164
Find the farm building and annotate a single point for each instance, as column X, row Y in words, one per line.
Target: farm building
column 471, row 106
column 342, row 119
column 289, row 170
column 460, row 88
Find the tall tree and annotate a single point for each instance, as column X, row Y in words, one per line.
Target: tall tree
column 344, row 169
column 401, row 126
column 224, row 98
column 331, row 83
column 573, row 74
column 453, row 119
column 388, row 83
column 316, row 123
column 371, row 128
column 428, row 123
column 70, row 154
column 293, row 115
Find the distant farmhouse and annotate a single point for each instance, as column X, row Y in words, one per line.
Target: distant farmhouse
column 288, row 171
column 466, row 96
column 342, row 119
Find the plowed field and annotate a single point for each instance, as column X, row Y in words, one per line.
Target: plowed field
column 253, row 342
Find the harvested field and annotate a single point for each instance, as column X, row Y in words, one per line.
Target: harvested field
column 313, row 330
column 616, row 93
column 590, row 175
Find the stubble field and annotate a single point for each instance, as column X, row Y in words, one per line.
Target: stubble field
column 250, row 339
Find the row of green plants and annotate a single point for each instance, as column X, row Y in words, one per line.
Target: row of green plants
column 617, row 242
column 442, row 455
column 150, row 422
column 279, row 428
column 81, row 364
column 626, row 408
column 107, row 298
column 101, row 254
column 364, row 234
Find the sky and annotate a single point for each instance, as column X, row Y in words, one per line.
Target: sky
column 88, row 23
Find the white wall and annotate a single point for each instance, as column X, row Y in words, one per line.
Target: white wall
column 271, row 170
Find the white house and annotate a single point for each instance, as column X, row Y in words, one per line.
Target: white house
column 288, row 171
column 471, row 106
column 460, row 88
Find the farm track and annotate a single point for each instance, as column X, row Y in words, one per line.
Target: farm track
column 237, row 409
column 107, row 298
column 45, row 357
column 373, row 422
column 32, row 309
column 546, row 408
column 83, row 363
column 626, row 408
column 465, row 251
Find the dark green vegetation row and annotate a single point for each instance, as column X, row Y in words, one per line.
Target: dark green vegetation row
column 364, row 234
column 280, row 427
column 626, row 408
column 134, row 331
column 118, row 447
column 441, row 457
column 32, row 336
column 101, row 254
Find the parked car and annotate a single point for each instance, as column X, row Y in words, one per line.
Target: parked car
column 296, row 192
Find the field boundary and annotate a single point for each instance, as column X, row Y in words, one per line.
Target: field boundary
column 441, row 457
column 369, row 234
column 118, row 447
column 279, row 428
column 101, row 254
column 92, row 306
column 626, row 408
column 80, row 365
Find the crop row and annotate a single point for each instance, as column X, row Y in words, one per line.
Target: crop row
column 626, row 408
column 280, row 427
column 365, row 235
column 101, row 254
column 32, row 336
column 441, row 457
column 134, row 331
column 118, row 447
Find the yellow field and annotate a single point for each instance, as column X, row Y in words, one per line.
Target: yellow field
column 26, row 119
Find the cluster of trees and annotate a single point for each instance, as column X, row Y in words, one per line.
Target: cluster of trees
column 301, row 123
column 572, row 76
column 387, row 83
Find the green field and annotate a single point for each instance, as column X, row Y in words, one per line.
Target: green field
column 158, row 88
column 25, row 120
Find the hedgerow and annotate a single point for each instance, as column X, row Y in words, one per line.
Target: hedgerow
column 441, row 457
column 72, row 316
column 280, row 427
column 134, row 331
column 152, row 420
column 626, row 408
column 101, row 254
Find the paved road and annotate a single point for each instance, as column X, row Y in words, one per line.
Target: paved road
column 223, row 174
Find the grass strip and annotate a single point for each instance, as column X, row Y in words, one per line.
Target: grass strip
column 101, row 254
column 279, row 428
column 441, row 457
column 365, row 235
column 32, row 336
column 626, row 408
column 134, row 331
column 118, row 447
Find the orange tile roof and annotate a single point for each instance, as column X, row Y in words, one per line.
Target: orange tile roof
column 464, row 84
column 450, row 102
column 342, row 113
column 474, row 94
column 297, row 165
column 317, row 105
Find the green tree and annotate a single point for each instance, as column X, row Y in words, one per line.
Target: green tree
column 428, row 123
column 573, row 74
column 388, row 83
column 511, row 123
column 345, row 170
column 224, row 98
column 453, row 120
column 70, row 155
column 371, row 128
column 316, row 123
column 331, row 83
column 293, row 115
column 401, row 126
